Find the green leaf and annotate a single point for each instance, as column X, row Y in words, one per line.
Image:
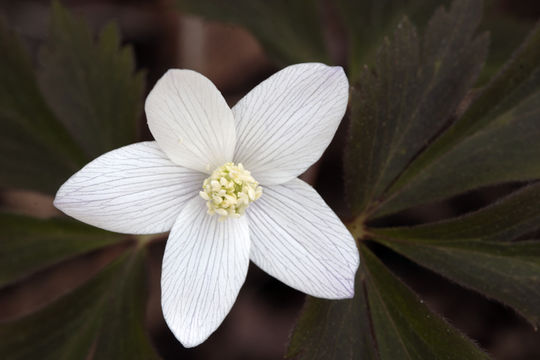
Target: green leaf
column 384, row 320
column 91, row 85
column 506, row 29
column 507, row 219
column 507, row 272
column 519, row 79
column 28, row 244
column 369, row 21
column 507, row 150
column 103, row 319
column 334, row 330
column 404, row 327
column 37, row 151
column 288, row 30
column 409, row 96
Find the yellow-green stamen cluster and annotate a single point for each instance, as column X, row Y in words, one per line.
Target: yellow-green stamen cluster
column 229, row 190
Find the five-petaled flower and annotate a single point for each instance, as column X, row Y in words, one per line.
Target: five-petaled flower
column 224, row 182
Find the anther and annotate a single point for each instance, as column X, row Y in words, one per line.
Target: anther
column 229, row 190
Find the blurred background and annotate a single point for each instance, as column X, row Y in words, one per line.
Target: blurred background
column 164, row 35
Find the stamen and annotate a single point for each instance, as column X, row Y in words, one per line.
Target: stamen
column 229, row 191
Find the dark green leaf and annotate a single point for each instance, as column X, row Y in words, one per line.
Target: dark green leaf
column 37, row 152
column 404, row 327
column 90, row 84
column 506, row 30
column 519, row 79
column 507, row 150
column 368, row 21
column 507, row 219
column 334, row 330
column 29, row 244
column 409, row 96
column 288, row 30
column 507, row 272
column 102, row 319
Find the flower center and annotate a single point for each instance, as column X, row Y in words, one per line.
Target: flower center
column 229, row 190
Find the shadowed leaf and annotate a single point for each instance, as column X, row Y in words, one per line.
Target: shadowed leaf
column 506, row 30
column 37, row 152
column 409, row 96
column 368, row 21
column 334, row 330
column 518, row 80
column 404, row 327
column 507, row 272
column 392, row 323
column 91, row 85
column 288, row 30
column 102, row 319
column 506, row 150
column 29, row 244
column 510, row 217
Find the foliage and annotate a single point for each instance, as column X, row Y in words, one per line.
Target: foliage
column 415, row 88
column 419, row 133
column 368, row 22
column 91, row 85
column 34, row 143
column 293, row 31
column 102, row 318
column 288, row 30
column 28, row 244
column 90, row 104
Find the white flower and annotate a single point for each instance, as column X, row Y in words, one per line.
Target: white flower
column 239, row 165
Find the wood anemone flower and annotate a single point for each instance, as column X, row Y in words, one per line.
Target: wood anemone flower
column 224, row 183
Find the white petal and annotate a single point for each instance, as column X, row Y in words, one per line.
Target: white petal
column 286, row 122
column 191, row 121
column 204, row 266
column 135, row 189
column 298, row 239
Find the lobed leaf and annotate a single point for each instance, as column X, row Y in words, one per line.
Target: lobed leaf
column 334, row 330
column 288, row 30
column 37, row 151
column 518, row 80
column 507, row 272
column 384, row 320
column 404, row 327
column 506, row 29
column 102, row 319
column 413, row 90
column 507, row 219
column 369, row 21
column 507, row 150
column 28, row 244
column 91, row 85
